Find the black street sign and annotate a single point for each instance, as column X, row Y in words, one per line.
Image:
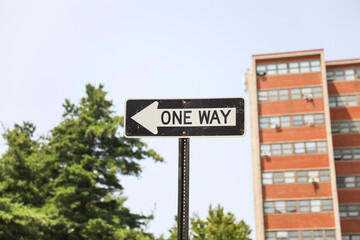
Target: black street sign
column 184, row 118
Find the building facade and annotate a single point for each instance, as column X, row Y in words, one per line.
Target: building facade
column 305, row 128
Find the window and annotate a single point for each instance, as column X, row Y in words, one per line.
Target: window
column 304, row 67
column 351, row 237
column 343, row 101
column 282, row 68
column 274, row 122
column 291, row 206
column 315, row 66
column 349, row 74
column 308, row 119
column 302, row 176
column 283, row 94
column 349, row 211
column 324, row 176
column 299, row 93
column 330, row 76
column 346, row 154
column 276, row 149
column 299, row 148
column 304, row 206
column 285, row 68
column 285, row 121
column 290, row 177
column 305, row 176
column 280, row 207
column 264, row 122
column 278, row 177
column 273, row 95
column 269, row 207
column 348, row 182
column 295, row 93
column 315, row 205
column 310, row 147
column 327, row 205
column 342, row 75
column 339, row 75
column 294, row 67
column 345, row 127
column 267, row 178
column 317, row 234
column 262, row 96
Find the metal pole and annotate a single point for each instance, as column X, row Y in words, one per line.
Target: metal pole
column 183, row 188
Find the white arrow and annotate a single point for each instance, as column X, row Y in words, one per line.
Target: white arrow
column 151, row 117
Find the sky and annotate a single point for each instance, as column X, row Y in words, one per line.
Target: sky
column 49, row 51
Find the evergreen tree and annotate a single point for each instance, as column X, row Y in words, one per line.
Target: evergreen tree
column 71, row 180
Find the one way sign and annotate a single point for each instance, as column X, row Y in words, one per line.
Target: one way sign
column 184, row 117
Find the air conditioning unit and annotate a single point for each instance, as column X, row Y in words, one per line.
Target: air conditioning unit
column 309, row 97
column 266, row 154
column 276, row 125
column 261, row 73
column 311, row 123
column 314, row 180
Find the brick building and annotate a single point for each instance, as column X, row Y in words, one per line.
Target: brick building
column 305, row 128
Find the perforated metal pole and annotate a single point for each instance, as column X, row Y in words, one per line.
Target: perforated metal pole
column 183, row 188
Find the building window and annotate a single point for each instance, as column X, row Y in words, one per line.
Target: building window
column 348, row 182
column 291, row 206
column 297, row 120
column 277, row 149
column 342, row 75
column 347, row 211
column 306, row 93
column 289, row 177
column 275, row 95
column 345, row 127
column 305, row 235
column 285, row 68
column 351, row 237
column 310, row 147
column 346, row 154
column 343, row 101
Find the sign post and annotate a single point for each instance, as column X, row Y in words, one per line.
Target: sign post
column 184, row 118
column 183, row 189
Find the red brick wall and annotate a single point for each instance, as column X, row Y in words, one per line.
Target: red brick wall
column 349, row 196
column 350, row 225
column 295, row 191
column 338, row 114
column 291, row 107
column 346, row 87
column 295, row 162
column 346, row 140
column 299, row 220
column 293, row 134
column 347, row 167
column 289, row 80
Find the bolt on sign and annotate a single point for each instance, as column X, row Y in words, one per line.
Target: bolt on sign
column 184, row 118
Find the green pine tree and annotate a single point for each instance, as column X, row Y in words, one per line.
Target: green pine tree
column 67, row 186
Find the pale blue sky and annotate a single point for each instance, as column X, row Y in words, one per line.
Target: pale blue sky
column 49, row 50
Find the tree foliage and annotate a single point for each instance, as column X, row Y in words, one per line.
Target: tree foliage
column 70, row 180
column 217, row 226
